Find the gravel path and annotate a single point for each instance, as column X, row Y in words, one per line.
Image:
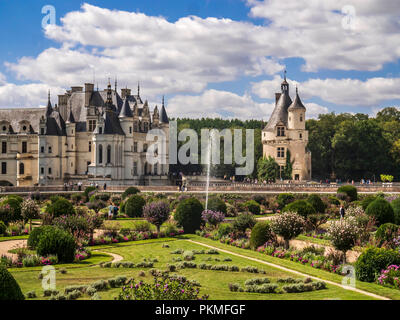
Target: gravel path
column 11, row 244
column 293, row 271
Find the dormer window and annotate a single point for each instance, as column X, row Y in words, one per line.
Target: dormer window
column 280, row 131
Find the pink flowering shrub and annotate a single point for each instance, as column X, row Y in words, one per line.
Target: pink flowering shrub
column 390, row 277
column 288, row 225
column 211, row 217
column 156, row 213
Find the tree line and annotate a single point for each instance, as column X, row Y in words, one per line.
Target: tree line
column 343, row 146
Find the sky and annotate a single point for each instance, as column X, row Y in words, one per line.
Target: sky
column 210, row 58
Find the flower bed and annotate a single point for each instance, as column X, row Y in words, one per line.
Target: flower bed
column 307, row 258
column 133, row 236
column 390, row 277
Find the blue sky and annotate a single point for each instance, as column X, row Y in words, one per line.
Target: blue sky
column 228, row 66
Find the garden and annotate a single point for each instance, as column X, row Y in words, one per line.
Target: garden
column 140, row 246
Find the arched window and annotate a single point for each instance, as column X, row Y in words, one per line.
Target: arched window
column 100, row 154
column 109, row 154
column 21, row 168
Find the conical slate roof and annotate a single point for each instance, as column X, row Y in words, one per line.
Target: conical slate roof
column 280, row 113
column 297, row 104
column 163, row 115
column 126, row 111
column 71, row 118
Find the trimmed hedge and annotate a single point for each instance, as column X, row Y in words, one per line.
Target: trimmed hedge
column 9, row 288
column 373, row 260
column 260, row 234
column 396, row 209
column 317, row 203
column 216, row 204
column 284, row 199
column 3, row 227
column 350, row 191
column 57, row 242
column 244, row 221
column 366, row 201
column 60, row 206
column 386, row 232
column 129, row 192
column 35, row 235
column 253, row 206
column 301, row 207
column 188, row 214
column 134, row 206
column 381, row 210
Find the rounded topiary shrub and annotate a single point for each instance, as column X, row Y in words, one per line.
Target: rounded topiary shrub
column 243, row 222
column 129, row 192
column 188, row 214
column 381, row 210
column 350, row 191
column 333, row 200
column 57, row 242
column 14, row 202
column 396, row 209
column 9, row 288
column 35, row 234
column 316, row 201
column 253, row 207
column 3, row 227
column 284, row 199
column 216, row 204
column 259, row 199
column 387, row 232
column 60, row 207
column 134, row 206
column 89, row 190
column 301, row 207
column 373, row 260
column 224, row 229
column 366, row 201
column 260, row 234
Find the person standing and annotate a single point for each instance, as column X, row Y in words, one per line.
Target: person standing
column 341, row 211
column 110, row 211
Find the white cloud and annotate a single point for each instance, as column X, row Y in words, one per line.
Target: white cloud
column 28, row 95
column 178, row 57
column 222, row 104
column 353, row 92
column 313, row 30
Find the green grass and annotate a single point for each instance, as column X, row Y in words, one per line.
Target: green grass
column 14, row 238
column 214, row 283
column 325, row 275
column 323, row 242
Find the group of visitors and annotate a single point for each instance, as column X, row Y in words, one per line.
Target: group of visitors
column 112, row 211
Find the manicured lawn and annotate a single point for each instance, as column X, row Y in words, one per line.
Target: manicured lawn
column 214, row 283
column 14, row 238
column 369, row 287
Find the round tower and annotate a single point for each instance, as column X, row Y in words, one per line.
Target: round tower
column 297, row 114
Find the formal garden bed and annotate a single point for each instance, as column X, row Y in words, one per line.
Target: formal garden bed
column 60, row 232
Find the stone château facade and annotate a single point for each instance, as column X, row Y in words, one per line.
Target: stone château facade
column 285, row 132
column 90, row 136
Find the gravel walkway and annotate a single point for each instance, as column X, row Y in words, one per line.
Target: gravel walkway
column 293, row 271
column 5, row 246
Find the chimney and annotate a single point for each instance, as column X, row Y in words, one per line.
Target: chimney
column 76, row 89
column 277, row 96
column 125, row 92
column 89, row 88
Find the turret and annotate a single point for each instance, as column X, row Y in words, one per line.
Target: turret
column 297, row 114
